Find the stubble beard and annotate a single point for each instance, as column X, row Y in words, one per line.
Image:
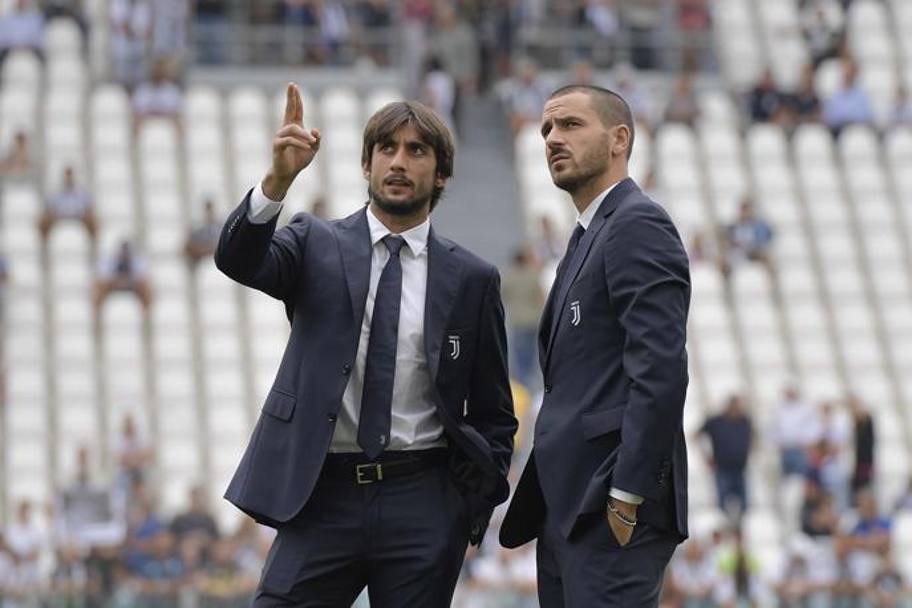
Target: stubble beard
column 401, row 208
column 593, row 164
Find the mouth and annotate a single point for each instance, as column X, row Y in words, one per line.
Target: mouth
column 398, row 182
column 558, row 158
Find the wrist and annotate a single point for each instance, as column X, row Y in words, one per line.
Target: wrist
column 274, row 187
column 627, row 509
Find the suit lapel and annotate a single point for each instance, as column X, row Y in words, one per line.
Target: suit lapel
column 443, row 278
column 556, row 301
column 355, row 245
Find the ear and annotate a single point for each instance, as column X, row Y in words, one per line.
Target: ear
column 366, row 172
column 621, row 141
column 440, row 181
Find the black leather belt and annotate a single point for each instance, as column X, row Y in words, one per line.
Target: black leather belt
column 390, row 465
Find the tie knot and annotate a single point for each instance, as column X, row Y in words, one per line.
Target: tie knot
column 577, row 233
column 393, row 243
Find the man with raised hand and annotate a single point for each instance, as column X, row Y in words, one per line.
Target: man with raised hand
column 384, row 442
column 605, row 489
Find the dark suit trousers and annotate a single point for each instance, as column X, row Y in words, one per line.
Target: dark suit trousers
column 594, row 571
column 404, row 538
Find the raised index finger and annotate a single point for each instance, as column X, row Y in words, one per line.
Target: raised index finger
column 294, row 106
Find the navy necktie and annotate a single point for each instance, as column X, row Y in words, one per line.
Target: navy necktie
column 380, row 368
column 571, row 249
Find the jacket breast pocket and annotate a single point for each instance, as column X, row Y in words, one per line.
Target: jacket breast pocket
column 602, row 422
column 280, row 404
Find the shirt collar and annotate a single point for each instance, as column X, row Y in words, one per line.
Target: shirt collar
column 416, row 238
column 585, row 218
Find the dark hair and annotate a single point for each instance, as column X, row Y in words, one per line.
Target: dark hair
column 611, row 107
column 431, row 129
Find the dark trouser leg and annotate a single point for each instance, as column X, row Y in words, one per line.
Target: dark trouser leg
column 550, row 584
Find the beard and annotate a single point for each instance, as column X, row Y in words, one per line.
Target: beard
column 403, row 208
column 591, row 165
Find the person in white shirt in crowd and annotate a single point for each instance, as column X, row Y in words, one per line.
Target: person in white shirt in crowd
column 131, row 31
column 25, row 538
column 126, row 270
column 525, row 94
column 693, row 575
column 170, row 21
column 22, row 28
column 17, row 162
column 641, row 101
column 796, row 427
column 439, row 89
column 160, row 96
column 72, row 202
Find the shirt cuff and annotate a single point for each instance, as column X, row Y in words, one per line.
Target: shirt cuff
column 262, row 208
column 625, row 496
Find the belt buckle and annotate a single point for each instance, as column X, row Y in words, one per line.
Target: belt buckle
column 363, row 474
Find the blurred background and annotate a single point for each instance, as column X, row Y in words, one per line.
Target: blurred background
column 777, row 133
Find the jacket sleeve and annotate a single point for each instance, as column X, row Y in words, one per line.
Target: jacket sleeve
column 647, row 274
column 259, row 256
column 490, row 402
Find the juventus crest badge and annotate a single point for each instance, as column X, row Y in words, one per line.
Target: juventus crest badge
column 454, row 347
column 575, row 309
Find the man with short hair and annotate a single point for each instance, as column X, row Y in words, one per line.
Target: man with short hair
column 384, row 443
column 605, row 488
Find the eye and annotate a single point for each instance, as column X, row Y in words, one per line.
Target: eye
column 387, row 148
column 418, row 150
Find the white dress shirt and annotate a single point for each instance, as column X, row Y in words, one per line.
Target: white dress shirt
column 584, row 219
column 414, row 424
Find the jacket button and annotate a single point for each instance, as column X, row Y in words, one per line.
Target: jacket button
column 346, row 369
column 547, row 388
column 331, row 417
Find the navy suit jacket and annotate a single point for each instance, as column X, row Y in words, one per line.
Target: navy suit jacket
column 321, row 271
column 612, row 351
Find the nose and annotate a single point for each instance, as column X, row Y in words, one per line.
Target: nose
column 398, row 162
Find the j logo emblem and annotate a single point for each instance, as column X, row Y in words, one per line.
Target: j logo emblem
column 575, row 309
column 454, row 347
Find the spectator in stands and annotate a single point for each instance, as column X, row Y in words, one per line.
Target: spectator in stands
column 694, row 21
column 202, row 240
column 643, row 20
column 523, row 299
column 796, row 427
column 18, row 160
column 24, row 537
column 602, row 17
column 210, row 29
column 638, row 97
column 22, row 28
column 749, row 237
column 71, row 203
column 524, row 95
column 819, row 516
column 739, row 582
column 125, row 271
column 730, row 435
column 197, row 520
column 682, row 104
column 901, row 114
column 223, row 583
column 693, row 575
column 70, row 576
column 439, row 89
column 888, row 589
column 334, row 29
column 68, row 9
column 160, row 574
column 825, row 468
column 547, row 245
column 850, row 104
column 171, row 19
column 455, row 43
column 804, row 104
column 865, row 436
column 795, row 588
column 160, row 96
column 134, row 454
column 766, row 103
column 868, row 542
column 86, row 513
column 131, row 31
column 821, row 32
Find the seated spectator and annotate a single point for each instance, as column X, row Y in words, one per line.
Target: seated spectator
column 825, row 468
column 749, row 237
column 210, row 30
column 24, row 536
column 887, row 590
column 868, row 542
column 197, row 520
column 523, row 299
column 375, row 18
column 131, row 31
column 766, row 103
column 863, row 427
column 804, row 103
column 739, row 582
column 86, row 513
column 134, row 455
column 71, row 203
column 795, row 588
column 525, row 95
column 819, row 517
column 638, row 97
column 682, row 103
column 694, row 22
column 693, row 575
column 18, row 160
column 730, row 435
column 796, row 427
column 158, row 97
column 821, row 31
column 70, row 576
column 850, row 104
column 68, row 9
column 125, row 271
column 439, row 89
column 223, row 584
column 202, row 240
column 902, row 108
column 160, row 575
column 22, row 28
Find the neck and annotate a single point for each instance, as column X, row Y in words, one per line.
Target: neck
column 397, row 224
column 586, row 193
